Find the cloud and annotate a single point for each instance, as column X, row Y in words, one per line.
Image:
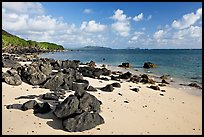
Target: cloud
column 122, row 24
column 92, row 26
column 149, row 17
column 40, row 27
column 87, row 11
column 138, row 17
column 187, row 20
column 23, row 7
column 159, row 34
column 137, row 35
column 191, row 32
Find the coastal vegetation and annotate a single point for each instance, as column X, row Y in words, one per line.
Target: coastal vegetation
column 9, row 40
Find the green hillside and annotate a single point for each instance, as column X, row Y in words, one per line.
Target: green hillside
column 12, row 40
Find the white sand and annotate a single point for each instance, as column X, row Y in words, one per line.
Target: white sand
column 177, row 112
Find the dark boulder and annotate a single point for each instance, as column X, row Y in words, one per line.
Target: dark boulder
column 29, row 105
column 87, row 71
column 108, row 88
column 54, row 82
column 88, row 102
column 149, row 65
column 116, row 85
column 35, row 73
column 145, row 76
column 80, row 85
column 92, row 64
column 7, row 63
column 135, row 79
column 42, row 108
column 126, row 75
column 154, row 87
column 125, row 65
column 50, row 96
column 91, row 88
column 164, row 81
column 147, row 81
column 117, row 78
column 195, row 85
column 106, row 72
column 68, row 107
column 70, row 64
column 82, row 122
column 56, row 64
column 11, row 77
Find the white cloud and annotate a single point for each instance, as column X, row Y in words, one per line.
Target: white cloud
column 122, row 28
column 92, row 26
column 122, row 24
column 138, row 17
column 41, row 27
column 149, row 17
column 137, row 35
column 159, row 34
column 23, row 7
column 187, row 20
column 119, row 16
column 87, row 11
column 191, row 32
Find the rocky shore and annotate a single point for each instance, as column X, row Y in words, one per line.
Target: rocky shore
column 70, row 95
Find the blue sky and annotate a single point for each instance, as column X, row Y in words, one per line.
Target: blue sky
column 108, row 24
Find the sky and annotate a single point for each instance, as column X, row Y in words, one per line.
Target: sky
column 152, row 25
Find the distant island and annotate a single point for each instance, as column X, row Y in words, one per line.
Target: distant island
column 15, row 44
column 93, row 48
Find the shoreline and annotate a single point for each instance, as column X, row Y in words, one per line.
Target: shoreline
column 157, row 71
column 173, row 112
column 174, row 84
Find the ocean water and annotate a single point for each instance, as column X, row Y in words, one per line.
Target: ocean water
column 185, row 65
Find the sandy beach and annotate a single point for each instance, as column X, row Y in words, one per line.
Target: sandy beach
column 124, row 111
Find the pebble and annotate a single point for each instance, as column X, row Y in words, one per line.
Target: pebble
column 161, row 94
column 120, row 94
column 126, row 101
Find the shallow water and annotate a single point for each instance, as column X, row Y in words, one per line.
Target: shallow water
column 183, row 64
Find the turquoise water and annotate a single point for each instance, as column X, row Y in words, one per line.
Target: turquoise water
column 182, row 64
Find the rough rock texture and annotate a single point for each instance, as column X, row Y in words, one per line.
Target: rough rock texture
column 9, row 63
column 88, row 102
column 154, row 87
column 84, row 121
column 94, row 72
column 29, row 105
column 116, row 85
column 125, row 65
column 126, row 75
column 35, row 73
column 108, row 88
column 80, row 85
column 149, row 65
column 195, row 85
column 42, row 108
column 91, row 88
column 50, row 96
column 11, row 77
column 54, row 82
column 68, row 107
